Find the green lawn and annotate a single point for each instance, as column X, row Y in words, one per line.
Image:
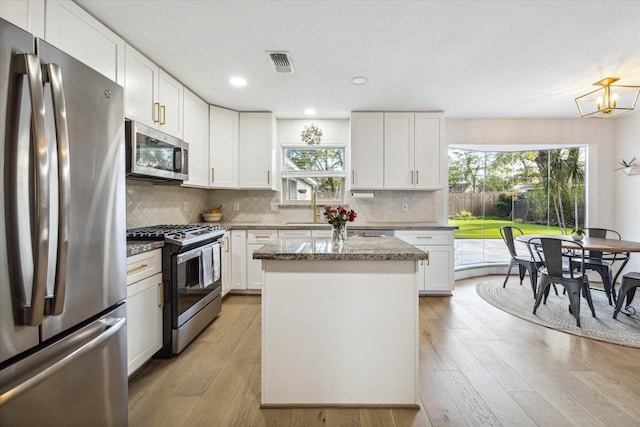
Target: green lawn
column 490, row 228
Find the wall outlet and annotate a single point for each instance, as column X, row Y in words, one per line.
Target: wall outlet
column 185, row 206
column 236, row 206
column 275, row 207
column 405, row 207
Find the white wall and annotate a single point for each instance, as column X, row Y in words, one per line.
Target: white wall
column 626, row 204
column 597, row 135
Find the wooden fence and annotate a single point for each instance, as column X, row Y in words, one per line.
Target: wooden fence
column 476, row 203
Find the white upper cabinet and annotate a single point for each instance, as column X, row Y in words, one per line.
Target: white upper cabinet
column 152, row 97
column 223, row 143
column 196, row 134
column 256, row 155
column 367, row 150
column 413, row 151
column 399, row 172
column 430, row 153
column 26, row 14
column 74, row 31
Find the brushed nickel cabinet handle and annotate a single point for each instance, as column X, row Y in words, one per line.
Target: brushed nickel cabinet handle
column 417, row 177
column 213, row 174
column 268, row 176
column 353, row 176
column 411, row 177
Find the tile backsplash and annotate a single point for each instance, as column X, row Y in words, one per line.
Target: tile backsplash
column 150, row 204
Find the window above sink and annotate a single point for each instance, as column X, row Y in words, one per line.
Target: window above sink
column 313, row 169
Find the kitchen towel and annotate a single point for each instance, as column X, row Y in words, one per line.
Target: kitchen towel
column 206, row 270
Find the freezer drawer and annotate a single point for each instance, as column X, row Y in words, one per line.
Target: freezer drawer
column 80, row 380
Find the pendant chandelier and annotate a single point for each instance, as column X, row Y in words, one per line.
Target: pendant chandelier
column 609, row 100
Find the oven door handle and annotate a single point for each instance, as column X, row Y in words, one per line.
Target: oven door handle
column 194, row 253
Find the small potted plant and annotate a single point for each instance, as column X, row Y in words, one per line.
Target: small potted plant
column 577, row 234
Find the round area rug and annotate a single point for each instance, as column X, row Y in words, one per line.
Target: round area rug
column 518, row 300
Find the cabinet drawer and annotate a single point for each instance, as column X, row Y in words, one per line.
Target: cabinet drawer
column 426, row 237
column 143, row 265
column 294, row 233
column 261, row 236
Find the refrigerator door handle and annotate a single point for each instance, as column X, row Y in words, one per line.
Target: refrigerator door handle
column 30, row 314
column 53, row 76
column 114, row 325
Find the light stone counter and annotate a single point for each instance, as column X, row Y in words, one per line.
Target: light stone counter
column 373, row 225
column 135, row 247
column 353, row 249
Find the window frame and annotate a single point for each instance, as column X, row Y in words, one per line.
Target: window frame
column 285, row 175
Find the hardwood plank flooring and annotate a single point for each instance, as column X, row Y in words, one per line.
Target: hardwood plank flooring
column 479, row 366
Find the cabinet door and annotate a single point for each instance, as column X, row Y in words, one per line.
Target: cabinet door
column 428, row 152
column 74, row 31
column 223, row 142
column 196, row 134
column 144, row 320
column 399, row 173
column 367, row 151
column 239, row 259
column 439, row 269
column 256, row 151
column 26, row 14
column 227, row 283
column 141, row 88
column 255, row 240
column 170, row 96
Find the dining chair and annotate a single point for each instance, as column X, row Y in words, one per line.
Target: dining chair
column 630, row 282
column 601, row 262
column 524, row 262
column 556, row 259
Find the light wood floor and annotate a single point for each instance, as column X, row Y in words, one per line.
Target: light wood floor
column 478, row 366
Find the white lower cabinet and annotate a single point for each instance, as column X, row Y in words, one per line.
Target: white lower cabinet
column 238, row 259
column 246, row 272
column 436, row 273
column 145, row 296
column 227, row 282
column 255, row 240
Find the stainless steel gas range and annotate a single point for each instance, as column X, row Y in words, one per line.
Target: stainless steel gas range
column 192, row 276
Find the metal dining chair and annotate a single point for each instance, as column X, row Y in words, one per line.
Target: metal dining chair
column 561, row 262
column 630, row 282
column 524, row 262
column 601, row 262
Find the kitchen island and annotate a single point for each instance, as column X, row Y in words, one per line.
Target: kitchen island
column 339, row 322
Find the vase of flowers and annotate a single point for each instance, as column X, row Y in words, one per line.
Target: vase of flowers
column 338, row 218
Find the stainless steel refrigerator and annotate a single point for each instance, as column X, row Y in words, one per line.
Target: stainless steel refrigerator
column 62, row 237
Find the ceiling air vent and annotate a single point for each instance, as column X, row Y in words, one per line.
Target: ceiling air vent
column 281, row 62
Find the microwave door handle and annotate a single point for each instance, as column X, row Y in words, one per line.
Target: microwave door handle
column 177, row 159
column 28, row 314
column 53, row 76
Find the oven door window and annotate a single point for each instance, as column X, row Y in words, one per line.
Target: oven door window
column 198, row 274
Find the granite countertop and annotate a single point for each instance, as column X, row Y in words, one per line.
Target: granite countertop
column 382, row 225
column 135, row 247
column 353, row 249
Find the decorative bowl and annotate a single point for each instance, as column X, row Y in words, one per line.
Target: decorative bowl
column 212, row 217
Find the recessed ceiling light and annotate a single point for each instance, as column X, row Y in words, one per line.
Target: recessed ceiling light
column 238, row 81
column 359, row 80
column 310, row 112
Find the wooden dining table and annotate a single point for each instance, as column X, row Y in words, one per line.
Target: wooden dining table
column 598, row 244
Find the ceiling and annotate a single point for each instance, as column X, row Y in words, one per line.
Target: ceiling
column 470, row 59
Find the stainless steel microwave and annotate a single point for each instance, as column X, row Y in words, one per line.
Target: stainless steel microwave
column 154, row 155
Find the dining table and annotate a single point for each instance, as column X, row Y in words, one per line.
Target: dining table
column 621, row 249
